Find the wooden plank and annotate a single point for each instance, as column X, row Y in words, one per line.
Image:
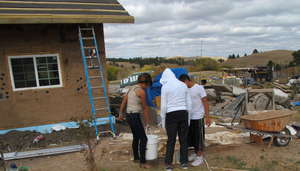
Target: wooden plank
column 62, row 9
column 79, row 6
column 50, row 19
column 269, row 90
column 78, row 1
column 62, row 3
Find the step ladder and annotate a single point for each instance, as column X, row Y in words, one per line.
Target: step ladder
column 96, row 82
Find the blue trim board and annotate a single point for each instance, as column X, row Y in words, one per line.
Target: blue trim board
column 46, row 129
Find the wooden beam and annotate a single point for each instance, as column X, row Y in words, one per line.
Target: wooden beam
column 58, row 18
column 62, row 3
column 62, row 9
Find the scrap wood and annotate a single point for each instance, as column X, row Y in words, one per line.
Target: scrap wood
column 281, row 86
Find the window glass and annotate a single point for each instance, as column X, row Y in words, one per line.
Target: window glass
column 47, row 70
column 24, row 71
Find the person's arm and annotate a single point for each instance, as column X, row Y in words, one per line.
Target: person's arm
column 189, row 104
column 142, row 95
column 163, row 107
column 204, row 100
column 206, row 110
column 123, row 107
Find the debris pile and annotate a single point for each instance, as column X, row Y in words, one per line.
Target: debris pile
column 232, row 101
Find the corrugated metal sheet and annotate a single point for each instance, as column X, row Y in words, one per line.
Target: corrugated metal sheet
column 62, row 11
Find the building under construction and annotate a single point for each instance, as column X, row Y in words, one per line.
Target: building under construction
column 52, row 59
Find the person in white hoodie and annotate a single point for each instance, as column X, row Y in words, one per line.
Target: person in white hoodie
column 175, row 106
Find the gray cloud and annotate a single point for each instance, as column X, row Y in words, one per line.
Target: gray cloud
column 177, row 27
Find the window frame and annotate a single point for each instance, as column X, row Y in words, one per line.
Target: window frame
column 36, row 72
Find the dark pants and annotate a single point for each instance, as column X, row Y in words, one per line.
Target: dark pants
column 177, row 123
column 139, row 136
column 196, row 135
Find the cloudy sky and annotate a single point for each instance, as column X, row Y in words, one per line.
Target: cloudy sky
column 177, row 27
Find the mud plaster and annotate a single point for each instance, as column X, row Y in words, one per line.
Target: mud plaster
column 44, row 106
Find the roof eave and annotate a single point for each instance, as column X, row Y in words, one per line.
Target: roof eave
column 63, row 19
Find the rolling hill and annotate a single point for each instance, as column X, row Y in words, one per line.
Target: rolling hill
column 281, row 57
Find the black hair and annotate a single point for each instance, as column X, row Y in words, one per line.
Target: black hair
column 203, row 82
column 184, row 77
column 145, row 78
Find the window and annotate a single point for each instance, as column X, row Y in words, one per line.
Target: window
column 36, row 71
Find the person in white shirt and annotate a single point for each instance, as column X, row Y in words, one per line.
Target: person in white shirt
column 200, row 108
column 175, row 106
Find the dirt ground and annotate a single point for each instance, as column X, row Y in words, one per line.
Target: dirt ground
column 252, row 157
column 115, row 155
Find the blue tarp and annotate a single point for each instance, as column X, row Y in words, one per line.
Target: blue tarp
column 155, row 89
column 296, row 103
column 45, row 129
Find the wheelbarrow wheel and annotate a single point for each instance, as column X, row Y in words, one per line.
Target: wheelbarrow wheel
column 282, row 141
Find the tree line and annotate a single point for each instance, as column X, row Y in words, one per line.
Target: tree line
column 149, row 61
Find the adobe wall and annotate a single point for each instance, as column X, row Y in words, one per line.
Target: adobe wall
column 44, row 106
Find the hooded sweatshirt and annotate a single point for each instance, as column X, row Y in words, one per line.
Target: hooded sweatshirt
column 174, row 95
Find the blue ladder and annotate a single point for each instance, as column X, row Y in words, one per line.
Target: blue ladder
column 93, row 67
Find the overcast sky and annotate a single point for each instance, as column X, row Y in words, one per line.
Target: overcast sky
column 177, row 27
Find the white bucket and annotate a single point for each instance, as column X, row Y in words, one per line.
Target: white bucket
column 151, row 152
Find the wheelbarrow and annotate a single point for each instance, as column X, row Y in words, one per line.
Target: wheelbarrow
column 272, row 123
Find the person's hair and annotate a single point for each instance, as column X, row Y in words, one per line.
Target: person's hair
column 145, row 78
column 203, row 82
column 184, row 77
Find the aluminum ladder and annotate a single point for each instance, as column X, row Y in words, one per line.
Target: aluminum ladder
column 96, row 82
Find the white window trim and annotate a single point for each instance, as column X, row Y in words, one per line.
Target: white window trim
column 36, row 73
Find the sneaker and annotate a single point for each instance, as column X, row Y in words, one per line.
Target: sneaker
column 169, row 168
column 198, row 161
column 184, row 166
column 192, row 157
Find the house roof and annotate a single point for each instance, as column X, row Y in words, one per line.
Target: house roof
column 62, row 11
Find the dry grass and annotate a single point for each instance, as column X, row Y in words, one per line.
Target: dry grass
column 296, row 117
column 261, row 59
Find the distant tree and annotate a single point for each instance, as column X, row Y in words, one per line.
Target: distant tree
column 238, row 56
column 291, row 64
column 206, row 64
column 296, row 55
column 277, row 67
column 233, row 56
column 270, row 64
column 255, row 51
column 245, row 54
column 221, row 60
column 112, row 72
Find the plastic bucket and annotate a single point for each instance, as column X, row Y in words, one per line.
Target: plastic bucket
column 151, row 152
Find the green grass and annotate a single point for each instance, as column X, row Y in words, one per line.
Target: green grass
column 239, row 164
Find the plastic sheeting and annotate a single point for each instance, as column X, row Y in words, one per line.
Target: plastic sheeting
column 296, row 103
column 155, row 89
